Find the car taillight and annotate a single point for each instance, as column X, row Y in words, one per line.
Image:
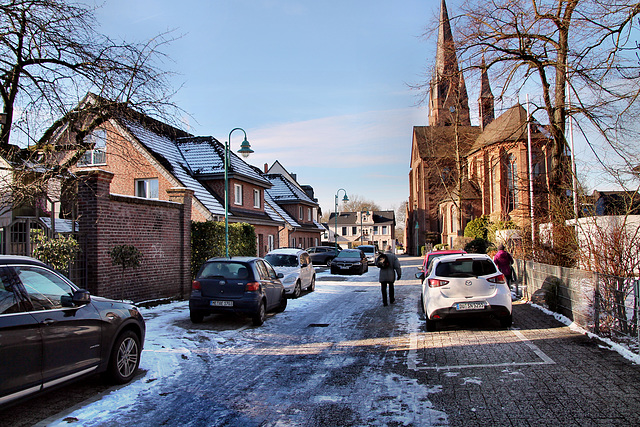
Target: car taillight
column 497, row 279
column 252, row 286
column 195, row 285
column 436, row 283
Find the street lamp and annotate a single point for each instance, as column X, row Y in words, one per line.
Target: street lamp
column 344, row 199
column 245, row 150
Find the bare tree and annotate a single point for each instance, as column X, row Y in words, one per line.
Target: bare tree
column 52, row 56
column 357, row 203
column 555, row 44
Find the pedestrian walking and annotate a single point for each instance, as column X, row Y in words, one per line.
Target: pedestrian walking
column 389, row 266
column 504, row 260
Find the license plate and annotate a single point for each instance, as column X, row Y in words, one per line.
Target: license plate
column 470, row 306
column 344, row 267
column 222, row 303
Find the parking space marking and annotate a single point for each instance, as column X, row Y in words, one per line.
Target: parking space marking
column 412, row 357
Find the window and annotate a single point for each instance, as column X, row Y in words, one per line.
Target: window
column 256, row 198
column 147, row 188
column 384, row 229
column 512, row 176
column 300, row 212
column 495, row 186
column 354, row 231
column 375, row 229
column 270, row 242
column 97, row 155
column 46, row 290
column 309, row 218
column 344, row 231
column 237, row 191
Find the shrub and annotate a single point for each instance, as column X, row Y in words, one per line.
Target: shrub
column 207, row 241
column 477, row 228
column 58, row 252
column 477, row 246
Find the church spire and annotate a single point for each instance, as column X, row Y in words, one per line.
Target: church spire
column 485, row 101
column 448, row 100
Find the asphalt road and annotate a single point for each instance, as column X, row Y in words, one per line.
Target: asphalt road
column 338, row 357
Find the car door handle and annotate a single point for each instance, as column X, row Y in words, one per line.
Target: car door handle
column 48, row 322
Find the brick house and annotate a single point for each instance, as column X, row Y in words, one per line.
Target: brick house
column 148, row 157
column 302, row 229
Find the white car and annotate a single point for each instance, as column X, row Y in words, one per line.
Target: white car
column 370, row 252
column 468, row 285
column 296, row 266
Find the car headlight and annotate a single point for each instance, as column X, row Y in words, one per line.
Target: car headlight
column 289, row 279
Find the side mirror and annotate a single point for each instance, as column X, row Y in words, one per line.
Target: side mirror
column 280, row 275
column 79, row 297
column 420, row 275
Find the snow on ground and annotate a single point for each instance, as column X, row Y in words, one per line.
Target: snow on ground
column 169, row 346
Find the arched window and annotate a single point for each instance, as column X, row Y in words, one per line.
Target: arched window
column 512, row 183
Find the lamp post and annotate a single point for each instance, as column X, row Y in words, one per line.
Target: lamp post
column 245, row 150
column 344, row 199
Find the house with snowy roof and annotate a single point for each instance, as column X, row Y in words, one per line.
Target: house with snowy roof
column 148, row 157
column 300, row 207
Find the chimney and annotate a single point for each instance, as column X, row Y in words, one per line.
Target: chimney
column 266, row 167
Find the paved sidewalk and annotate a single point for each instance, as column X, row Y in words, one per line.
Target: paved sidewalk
column 538, row 373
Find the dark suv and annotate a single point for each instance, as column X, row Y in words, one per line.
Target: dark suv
column 322, row 255
column 243, row 285
column 52, row 332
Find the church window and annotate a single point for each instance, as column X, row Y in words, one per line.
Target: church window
column 512, row 177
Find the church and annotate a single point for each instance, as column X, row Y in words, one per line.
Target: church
column 459, row 171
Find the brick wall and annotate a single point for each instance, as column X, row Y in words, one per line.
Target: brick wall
column 159, row 229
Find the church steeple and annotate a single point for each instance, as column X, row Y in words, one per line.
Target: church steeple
column 448, row 100
column 485, row 101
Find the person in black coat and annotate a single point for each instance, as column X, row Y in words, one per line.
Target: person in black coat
column 388, row 272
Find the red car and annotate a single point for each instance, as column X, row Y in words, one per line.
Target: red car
column 428, row 258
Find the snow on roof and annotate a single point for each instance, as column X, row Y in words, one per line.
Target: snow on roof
column 165, row 147
column 284, row 191
column 276, row 209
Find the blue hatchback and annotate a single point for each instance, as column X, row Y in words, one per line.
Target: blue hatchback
column 244, row 285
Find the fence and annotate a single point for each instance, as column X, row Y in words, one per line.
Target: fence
column 604, row 305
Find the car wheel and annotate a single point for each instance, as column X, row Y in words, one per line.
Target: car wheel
column 283, row 303
column 333, row 271
column 329, row 262
column 261, row 315
column 312, row 286
column 196, row 316
column 431, row 325
column 297, row 290
column 506, row 321
column 125, row 357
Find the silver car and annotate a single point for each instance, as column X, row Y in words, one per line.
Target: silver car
column 296, row 266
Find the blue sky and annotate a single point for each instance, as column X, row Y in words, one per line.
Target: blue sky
column 321, row 86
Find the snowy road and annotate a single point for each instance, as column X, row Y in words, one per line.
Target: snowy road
column 337, row 357
column 334, row 357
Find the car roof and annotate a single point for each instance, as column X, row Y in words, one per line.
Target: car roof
column 17, row 259
column 453, row 257
column 286, row 251
column 235, row 258
column 447, row 251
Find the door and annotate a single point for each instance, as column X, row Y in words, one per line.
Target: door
column 71, row 335
column 270, row 284
column 20, row 340
column 306, row 272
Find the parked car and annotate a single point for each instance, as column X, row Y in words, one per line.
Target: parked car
column 370, row 251
column 427, row 262
column 244, row 285
column 350, row 261
column 52, row 332
column 467, row 285
column 296, row 266
column 322, row 255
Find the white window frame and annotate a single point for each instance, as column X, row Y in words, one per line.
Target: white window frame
column 150, row 188
column 97, row 155
column 300, row 213
column 270, row 242
column 237, row 194
column 256, row 198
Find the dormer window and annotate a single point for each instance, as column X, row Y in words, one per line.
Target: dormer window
column 97, row 155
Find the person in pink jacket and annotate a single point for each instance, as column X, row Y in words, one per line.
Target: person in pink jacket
column 503, row 260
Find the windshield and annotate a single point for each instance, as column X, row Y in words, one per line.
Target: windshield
column 349, row 254
column 366, row 250
column 281, row 260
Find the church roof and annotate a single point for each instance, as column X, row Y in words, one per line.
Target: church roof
column 509, row 127
column 438, row 141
